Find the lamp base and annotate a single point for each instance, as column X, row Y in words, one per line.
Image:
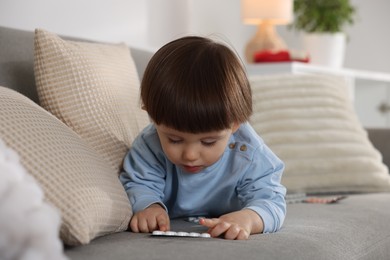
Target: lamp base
column 265, row 38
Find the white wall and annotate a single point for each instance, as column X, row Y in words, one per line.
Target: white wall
column 369, row 45
column 152, row 23
column 107, row 20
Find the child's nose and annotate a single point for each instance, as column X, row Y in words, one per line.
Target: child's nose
column 190, row 154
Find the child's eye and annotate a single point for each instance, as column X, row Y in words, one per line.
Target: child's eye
column 174, row 141
column 208, row 143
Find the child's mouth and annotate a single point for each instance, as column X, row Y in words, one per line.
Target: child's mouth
column 192, row 169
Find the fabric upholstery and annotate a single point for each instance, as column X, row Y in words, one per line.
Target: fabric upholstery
column 93, row 88
column 310, row 123
column 380, row 139
column 74, row 178
column 310, row 231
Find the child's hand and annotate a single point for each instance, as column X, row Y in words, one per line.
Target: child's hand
column 152, row 218
column 236, row 225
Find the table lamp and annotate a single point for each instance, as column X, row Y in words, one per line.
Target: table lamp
column 265, row 14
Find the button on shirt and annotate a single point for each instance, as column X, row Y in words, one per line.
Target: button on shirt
column 247, row 175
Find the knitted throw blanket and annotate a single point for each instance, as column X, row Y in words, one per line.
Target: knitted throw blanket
column 29, row 227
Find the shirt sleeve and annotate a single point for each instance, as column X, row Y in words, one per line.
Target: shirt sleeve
column 143, row 176
column 261, row 190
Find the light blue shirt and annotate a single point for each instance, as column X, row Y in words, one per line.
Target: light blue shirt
column 247, row 175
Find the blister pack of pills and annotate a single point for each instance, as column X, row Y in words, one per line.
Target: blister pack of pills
column 180, row 234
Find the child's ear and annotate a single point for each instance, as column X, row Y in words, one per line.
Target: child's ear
column 235, row 127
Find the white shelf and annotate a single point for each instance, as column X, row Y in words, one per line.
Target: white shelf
column 368, row 90
column 299, row 67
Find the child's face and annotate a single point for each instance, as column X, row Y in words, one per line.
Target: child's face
column 193, row 152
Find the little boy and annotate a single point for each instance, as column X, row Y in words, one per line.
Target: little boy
column 200, row 156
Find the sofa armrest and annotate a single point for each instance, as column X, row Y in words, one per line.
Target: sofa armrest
column 380, row 138
column 141, row 58
column 16, row 61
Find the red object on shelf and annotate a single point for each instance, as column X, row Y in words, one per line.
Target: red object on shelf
column 279, row 56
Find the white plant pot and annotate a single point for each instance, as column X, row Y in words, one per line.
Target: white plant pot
column 327, row 49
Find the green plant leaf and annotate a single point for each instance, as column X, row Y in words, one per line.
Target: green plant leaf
column 322, row 16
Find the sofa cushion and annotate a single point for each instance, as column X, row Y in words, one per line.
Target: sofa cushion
column 93, row 88
column 310, row 123
column 74, row 178
column 354, row 228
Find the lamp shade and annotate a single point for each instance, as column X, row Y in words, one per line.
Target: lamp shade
column 274, row 11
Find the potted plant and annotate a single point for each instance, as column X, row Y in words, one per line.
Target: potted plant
column 323, row 23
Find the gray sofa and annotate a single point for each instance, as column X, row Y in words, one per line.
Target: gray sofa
column 354, row 228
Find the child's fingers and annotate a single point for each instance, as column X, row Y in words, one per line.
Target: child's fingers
column 134, row 225
column 163, row 223
column 218, row 227
column 139, row 225
column 235, row 232
column 215, row 225
column 143, row 225
column 243, row 235
column 209, row 222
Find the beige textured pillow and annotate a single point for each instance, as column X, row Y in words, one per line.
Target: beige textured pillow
column 310, row 123
column 72, row 175
column 93, row 88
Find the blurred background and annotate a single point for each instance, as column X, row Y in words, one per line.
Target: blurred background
column 151, row 23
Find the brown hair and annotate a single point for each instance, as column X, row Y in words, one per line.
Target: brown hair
column 194, row 84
